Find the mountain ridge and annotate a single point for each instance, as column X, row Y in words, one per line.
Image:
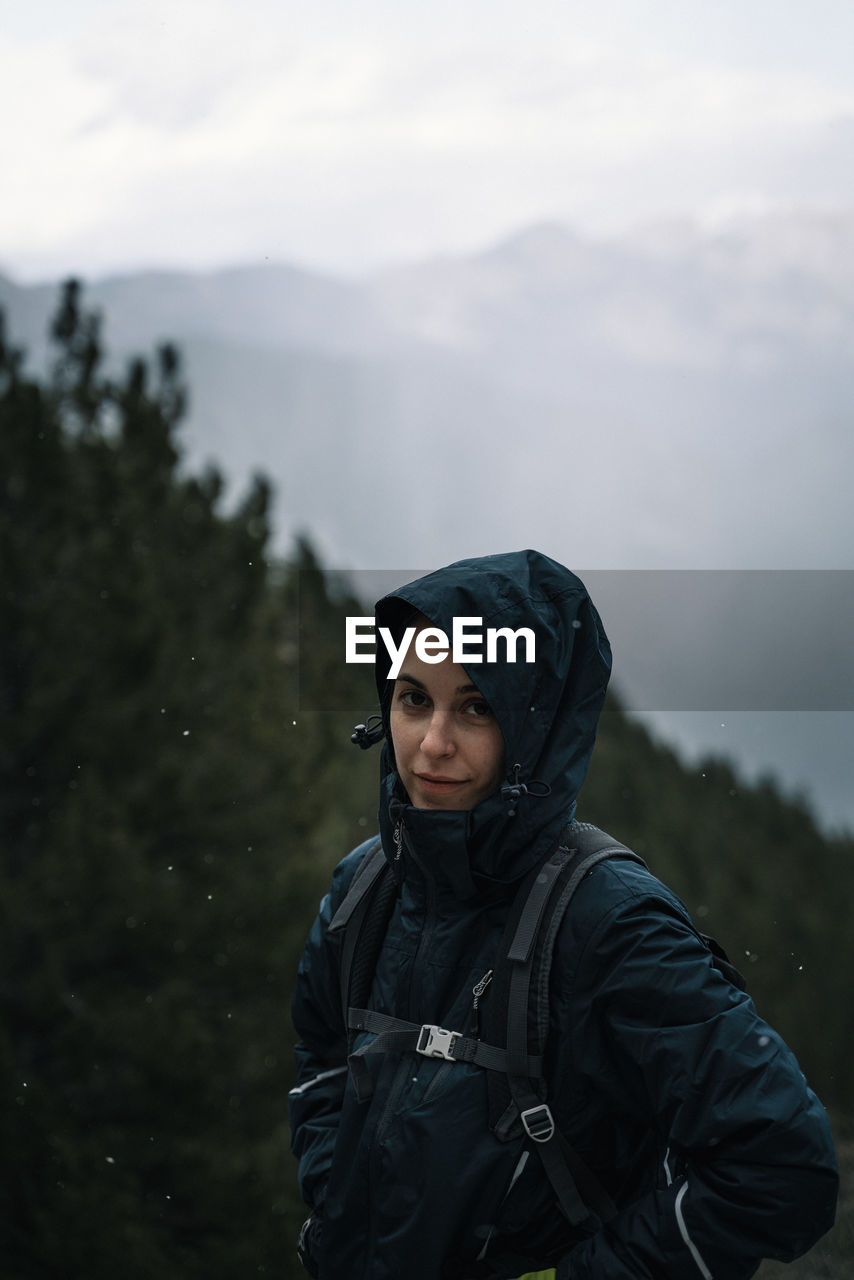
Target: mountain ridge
column 680, row 400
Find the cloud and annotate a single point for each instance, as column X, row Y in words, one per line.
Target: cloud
column 203, row 132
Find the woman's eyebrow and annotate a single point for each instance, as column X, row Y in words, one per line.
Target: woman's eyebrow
column 463, row 688
column 411, row 680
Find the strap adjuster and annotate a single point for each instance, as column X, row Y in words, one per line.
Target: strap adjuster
column 538, row 1123
column 436, row 1042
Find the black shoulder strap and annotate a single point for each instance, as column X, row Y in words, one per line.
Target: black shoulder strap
column 519, row 998
column 544, row 902
column 362, row 920
column 587, row 846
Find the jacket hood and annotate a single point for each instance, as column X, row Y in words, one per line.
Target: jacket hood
column 547, row 710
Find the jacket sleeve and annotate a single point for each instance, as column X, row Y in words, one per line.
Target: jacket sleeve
column 750, row 1170
column 321, row 1050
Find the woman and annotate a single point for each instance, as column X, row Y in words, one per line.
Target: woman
column 687, row 1110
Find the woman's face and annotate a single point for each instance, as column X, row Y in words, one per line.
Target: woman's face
column 447, row 743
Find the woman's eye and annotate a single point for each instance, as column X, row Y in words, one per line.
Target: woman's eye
column 412, row 698
column 480, row 708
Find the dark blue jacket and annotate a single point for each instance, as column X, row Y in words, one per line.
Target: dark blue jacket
column 686, row 1105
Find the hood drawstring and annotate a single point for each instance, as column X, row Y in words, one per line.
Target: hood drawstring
column 368, row 734
column 515, row 790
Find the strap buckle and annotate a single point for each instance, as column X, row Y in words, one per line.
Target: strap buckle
column 538, row 1123
column 436, row 1042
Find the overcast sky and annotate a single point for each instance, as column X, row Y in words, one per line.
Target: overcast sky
column 343, row 134
column 349, row 134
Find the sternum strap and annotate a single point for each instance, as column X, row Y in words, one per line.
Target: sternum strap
column 394, row 1035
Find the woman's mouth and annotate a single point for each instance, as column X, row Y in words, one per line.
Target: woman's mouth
column 439, row 783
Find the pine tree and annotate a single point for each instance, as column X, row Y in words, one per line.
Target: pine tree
column 164, row 807
column 176, row 784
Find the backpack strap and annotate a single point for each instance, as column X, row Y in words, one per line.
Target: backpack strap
column 519, row 1004
column 362, row 920
column 529, row 956
column 395, row 1035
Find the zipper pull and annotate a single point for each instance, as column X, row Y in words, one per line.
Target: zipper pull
column 477, row 991
column 398, row 840
column 479, row 987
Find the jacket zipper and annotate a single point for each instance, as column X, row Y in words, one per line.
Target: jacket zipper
column 426, row 933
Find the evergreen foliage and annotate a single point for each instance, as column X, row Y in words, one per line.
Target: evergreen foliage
column 166, row 833
column 174, row 792
column 755, row 871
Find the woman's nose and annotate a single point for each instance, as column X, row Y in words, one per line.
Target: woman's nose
column 438, row 740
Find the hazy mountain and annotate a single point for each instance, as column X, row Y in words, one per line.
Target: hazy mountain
column 710, row 373
column 675, row 399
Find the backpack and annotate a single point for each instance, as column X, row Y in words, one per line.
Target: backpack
column 516, row 1026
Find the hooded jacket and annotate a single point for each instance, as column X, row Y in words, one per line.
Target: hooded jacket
column 685, row 1105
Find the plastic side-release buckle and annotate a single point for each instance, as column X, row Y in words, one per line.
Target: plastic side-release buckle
column 436, row 1042
column 538, row 1123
